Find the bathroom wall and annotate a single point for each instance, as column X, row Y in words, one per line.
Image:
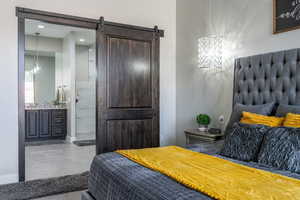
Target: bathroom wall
column 82, row 63
column 86, row 93
column 68, row 71
column 59, row 76
column 45, row 44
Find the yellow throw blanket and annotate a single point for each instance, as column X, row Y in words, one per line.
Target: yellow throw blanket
column 215, row 177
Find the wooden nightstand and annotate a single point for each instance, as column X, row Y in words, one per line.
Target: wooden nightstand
column 204, row 142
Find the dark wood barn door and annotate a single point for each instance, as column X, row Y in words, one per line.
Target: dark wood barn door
column 128, row 88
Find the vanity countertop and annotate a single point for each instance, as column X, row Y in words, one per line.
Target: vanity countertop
column 47, row 108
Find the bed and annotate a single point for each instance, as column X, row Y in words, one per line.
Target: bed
column 260, row 79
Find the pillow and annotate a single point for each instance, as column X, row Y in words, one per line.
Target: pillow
column 292, row 120
column 264, row 109
column 281, row 149
column 243, row 142
column 251, row 118
column 283, row 110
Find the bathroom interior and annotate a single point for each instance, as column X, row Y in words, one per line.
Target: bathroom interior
column 60, row 99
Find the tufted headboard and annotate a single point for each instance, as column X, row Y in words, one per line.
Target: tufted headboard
column 268, row 77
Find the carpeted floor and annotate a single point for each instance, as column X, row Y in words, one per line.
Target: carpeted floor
column 44, row 187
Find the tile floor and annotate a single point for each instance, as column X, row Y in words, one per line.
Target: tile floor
column 57, row 160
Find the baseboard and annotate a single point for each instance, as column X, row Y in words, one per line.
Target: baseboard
column 70, row 139
column 9, row 178
column 78, row 138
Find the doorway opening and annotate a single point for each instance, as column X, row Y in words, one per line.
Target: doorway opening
column 60, row 99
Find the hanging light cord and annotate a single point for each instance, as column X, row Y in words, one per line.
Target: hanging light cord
column 36, row 68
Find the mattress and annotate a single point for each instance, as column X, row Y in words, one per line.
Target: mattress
column 115, row 177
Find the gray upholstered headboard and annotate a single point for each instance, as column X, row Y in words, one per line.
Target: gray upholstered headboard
column 268, row 77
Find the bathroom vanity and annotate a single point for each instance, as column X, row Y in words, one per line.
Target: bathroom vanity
column 45, row 123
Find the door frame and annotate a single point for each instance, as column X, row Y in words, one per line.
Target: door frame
column 48, row 17
column 60, row 19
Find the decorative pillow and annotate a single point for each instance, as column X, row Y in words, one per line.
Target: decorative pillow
column 283, row 110
column 243, row 142
column 292, row 120
column 251, row 118
column 236, row 115
column 281, row 149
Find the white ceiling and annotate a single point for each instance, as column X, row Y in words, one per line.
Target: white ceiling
column 60, row 31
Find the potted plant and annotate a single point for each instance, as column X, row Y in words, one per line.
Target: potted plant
column 203, row 120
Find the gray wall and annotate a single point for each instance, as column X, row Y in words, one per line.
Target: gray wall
column 191, row 23
column 44, row 79
column 247, row 28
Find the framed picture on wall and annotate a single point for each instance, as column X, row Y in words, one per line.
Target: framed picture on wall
column 286, row 15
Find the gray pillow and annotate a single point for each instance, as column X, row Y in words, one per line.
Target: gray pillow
column 281, row 149
column 236, row 115
column 282, row 110
column 244, row 141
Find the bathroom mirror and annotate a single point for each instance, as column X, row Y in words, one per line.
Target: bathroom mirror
column 43, row 60
column 40, row 80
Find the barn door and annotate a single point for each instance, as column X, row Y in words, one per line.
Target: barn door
column 128, row 87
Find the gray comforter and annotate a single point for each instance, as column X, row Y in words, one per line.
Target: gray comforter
column 115, row 177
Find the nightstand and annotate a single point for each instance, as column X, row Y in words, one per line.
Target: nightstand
column 204, row 142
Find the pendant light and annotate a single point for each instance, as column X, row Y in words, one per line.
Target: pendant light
column 36, row 67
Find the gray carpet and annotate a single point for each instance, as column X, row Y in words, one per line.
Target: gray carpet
column 81, row 143
column 44, row 187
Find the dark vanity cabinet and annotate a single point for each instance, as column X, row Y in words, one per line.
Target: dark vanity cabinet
column 59, row 123
column 32, row 125
column 45, row 124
